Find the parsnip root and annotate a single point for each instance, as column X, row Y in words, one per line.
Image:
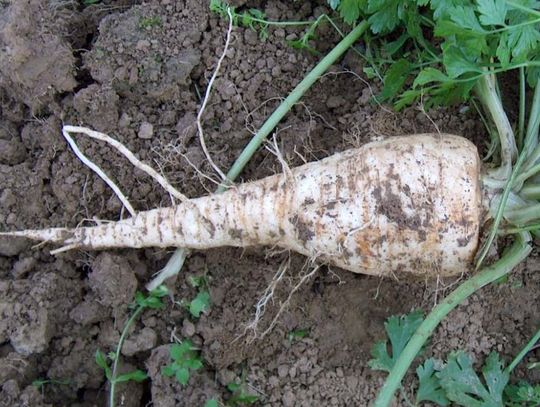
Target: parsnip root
column 404, row 205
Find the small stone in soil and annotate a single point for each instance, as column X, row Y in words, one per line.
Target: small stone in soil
column 12, row 152
column 22, row 267
column 146, row 339
column 283, row 370
column 12, row 246
column 188, row 329
column 146, row 131
column 288, row 399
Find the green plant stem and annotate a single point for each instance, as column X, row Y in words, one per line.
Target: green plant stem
column 519, row 250
column 174, row 265
column 530, row 191
column 280, row 23
column 523, row 8
column 481, row 72
column 123, row 336
column 521, row 120
column 534, row 120
column 514, row 182
column 493, row 144
column 519, row 357
column 486, row 89
column 522, row 216
column 531, row 138
column 406, row 398
column 291, row 100
column 313, row 23
column 500, row 210
column 512, row 231
column 525, row 175
column 513, row 26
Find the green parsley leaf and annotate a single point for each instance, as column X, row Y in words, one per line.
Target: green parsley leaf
column 522, row 40
column 193, row 364
column 159, row 291
column 429, row 388
column 184, row 359
column 233, row 386
column 179, row 351
column 136, row 376
column 153, row 300
column 428, row 75
column 392, row 47
column 101, row 361
column 503, row 50
column 334, row 4
column 533, row 73
column 457, row 63
column 350, row 10
column 407, row 98
column 168, row 370
column 399, row 330
column 243, row 398
column 492, row 12
column 465, row 17
column 522, row 393
column 297, row 334
column 200, row 303
column 395, row 79
column 198, row 281
column 211, row 403
column 385, row 15
column 182, row 375
column 442, row 8
column 464, row 387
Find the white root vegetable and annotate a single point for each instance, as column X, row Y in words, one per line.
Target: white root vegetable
column 409, row 205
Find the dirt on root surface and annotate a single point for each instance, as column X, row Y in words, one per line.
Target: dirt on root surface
column 137, row 71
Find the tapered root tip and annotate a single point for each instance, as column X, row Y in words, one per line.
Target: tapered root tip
column 54, row 235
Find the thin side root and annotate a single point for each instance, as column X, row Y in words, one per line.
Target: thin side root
column 207, row 97
column 176, row 262
column 286, row 303
column 274, row 149
column 66, row 130
column 64, row 249
column 171, row 269
column 269, row 294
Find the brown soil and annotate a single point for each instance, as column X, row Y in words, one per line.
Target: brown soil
column 136, row 71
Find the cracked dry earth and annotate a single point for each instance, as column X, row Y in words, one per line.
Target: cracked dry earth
column 136, row 70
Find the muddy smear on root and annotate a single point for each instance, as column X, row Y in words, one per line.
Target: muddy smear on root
column 137, row 72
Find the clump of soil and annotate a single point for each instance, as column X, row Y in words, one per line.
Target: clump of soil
column 36, row 63
column 138, row 72
column 148, row 52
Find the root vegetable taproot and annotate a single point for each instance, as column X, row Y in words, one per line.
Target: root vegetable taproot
column 406, row 205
